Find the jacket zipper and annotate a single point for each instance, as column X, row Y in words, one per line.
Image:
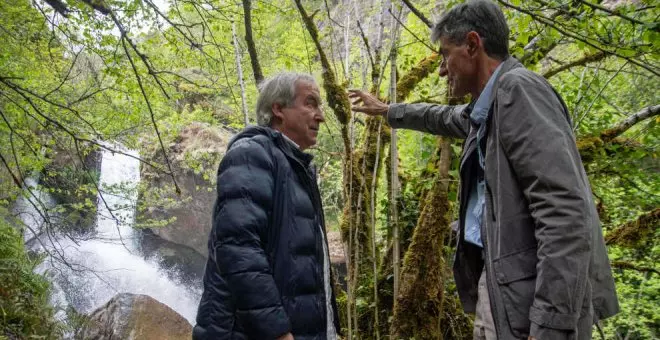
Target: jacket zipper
column 315, row 198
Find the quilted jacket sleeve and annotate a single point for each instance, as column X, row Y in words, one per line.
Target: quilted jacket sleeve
column 240, row 222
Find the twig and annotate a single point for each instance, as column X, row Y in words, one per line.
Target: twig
column 411, row 32
column 153, row 119
column 366, row 43
column 418, row 13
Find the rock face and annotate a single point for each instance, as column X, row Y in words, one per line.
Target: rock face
column 195, row 157
column 70, row 179
column 130, row 316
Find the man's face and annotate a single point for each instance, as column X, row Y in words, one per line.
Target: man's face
column 458, row 66
column 301, row 120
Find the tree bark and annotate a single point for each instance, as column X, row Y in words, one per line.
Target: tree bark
column 239, row 68
column 249, row 39
column 418, row 310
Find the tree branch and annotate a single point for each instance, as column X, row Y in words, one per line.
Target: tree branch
column 411, row 32
column 634, row 233
column 629, row 122
column 419, row 14
column 628, row 265
column 589, row 144
column 252, row 50
column 419, row 72
column 590, row 58
column 366, row 44
column 14, row 178
column 59, row 7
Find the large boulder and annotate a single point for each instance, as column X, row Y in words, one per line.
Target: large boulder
column 130, row 316
column 71, row 177
column 186, row 218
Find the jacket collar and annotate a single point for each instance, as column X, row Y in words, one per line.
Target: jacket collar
column 281, row 141
column 507, row 65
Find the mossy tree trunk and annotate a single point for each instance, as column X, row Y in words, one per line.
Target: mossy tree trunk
column 418, row 309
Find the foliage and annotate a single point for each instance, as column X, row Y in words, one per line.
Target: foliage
column 24, row 295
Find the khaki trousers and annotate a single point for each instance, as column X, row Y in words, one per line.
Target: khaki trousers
column 484, row 326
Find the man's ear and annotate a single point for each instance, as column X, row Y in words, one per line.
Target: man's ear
column 277, row 110
column 474, row 42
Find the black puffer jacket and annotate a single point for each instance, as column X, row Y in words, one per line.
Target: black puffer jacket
column 264, row 275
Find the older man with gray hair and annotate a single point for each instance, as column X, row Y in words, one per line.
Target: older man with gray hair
column 268, row 271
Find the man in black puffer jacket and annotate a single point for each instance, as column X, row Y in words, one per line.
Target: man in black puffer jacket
column 268, row 271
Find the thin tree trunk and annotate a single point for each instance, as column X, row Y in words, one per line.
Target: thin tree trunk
column 252, row 50
column 237, row 53
column 394, row 186
column 347, row 43
column 373, row 229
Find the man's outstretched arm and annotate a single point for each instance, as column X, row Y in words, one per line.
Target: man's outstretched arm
column 444, row 120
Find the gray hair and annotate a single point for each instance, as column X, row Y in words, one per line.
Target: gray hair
column 481, row 16
column 280, row 89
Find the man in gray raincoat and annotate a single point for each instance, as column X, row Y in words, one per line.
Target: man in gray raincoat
column 531, row 261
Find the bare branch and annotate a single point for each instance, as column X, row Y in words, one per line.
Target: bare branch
column 411, row 32
column 366, row 44
column 13, row 176
column 590, row 58
column 419, row 14
column 252, row 50
column 629, row 122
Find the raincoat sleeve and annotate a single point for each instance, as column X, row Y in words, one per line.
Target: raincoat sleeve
column 537, row 138
column 240, row 221
column 442, row 120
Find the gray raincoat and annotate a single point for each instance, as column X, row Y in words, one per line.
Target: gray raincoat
column 547, row 268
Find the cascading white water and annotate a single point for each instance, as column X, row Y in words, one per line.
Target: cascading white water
column 111, row 260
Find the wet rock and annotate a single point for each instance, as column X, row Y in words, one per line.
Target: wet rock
column 186, row 218
column 130, row 316
column 70, row 178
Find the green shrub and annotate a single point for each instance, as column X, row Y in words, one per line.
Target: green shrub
column 25, row 312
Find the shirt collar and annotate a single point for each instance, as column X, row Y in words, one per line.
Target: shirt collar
column 291, row 141
column 482, row 105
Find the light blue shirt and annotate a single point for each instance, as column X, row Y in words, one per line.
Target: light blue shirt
column 477, row 197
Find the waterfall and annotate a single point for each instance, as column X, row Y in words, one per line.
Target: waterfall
column 111, row 261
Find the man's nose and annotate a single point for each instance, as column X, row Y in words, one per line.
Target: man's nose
column 320, row 117
column 443, row 68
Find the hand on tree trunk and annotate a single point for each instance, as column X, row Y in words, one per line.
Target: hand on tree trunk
column 370, row 104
